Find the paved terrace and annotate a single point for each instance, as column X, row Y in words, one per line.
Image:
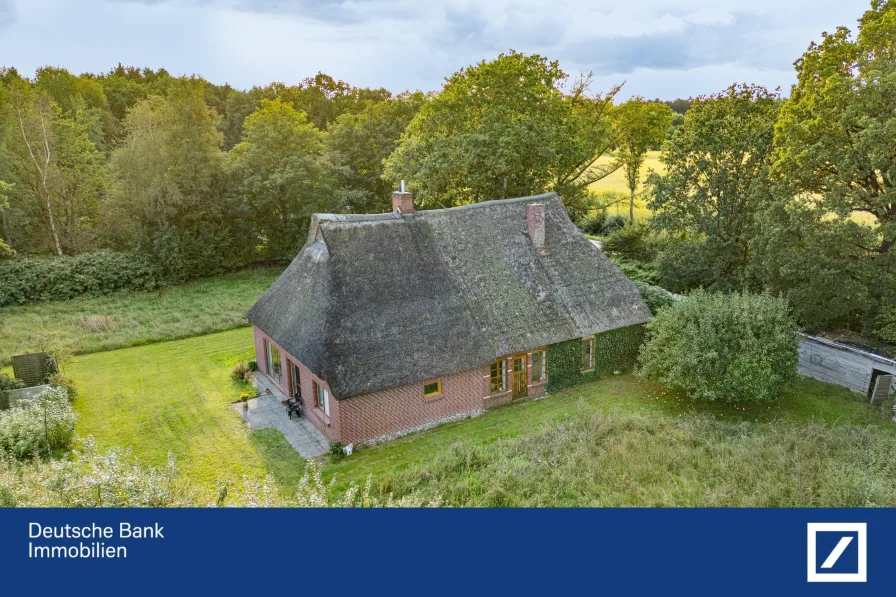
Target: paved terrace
column 268, row 411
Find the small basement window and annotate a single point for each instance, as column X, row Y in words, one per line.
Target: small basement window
column 432, row 388
column 587, row 353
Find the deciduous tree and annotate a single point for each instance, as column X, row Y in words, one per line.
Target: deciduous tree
column 716, row 176
column 641, row 125
column 504, row 128
column 279, row 169
column 357, row 144
column 836, row 140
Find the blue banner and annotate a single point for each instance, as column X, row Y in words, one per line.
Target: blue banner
column 445, row 551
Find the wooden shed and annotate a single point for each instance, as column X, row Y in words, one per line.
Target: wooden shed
column 861, row 371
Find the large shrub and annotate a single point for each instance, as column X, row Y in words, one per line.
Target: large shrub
column 5, row 251
column 39, row 426
column 592, row 222
column 727, row 347
column 630, row 241
column 30, row 279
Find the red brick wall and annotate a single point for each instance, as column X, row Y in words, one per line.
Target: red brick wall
column 383, row 415
column 389, row 413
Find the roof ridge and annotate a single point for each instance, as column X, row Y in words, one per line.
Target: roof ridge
column 330, row 217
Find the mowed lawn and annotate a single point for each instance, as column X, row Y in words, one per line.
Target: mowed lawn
column 619, row 441
column 123, row 319
column 176, row 397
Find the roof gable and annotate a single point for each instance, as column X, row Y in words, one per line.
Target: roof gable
column 373, row 302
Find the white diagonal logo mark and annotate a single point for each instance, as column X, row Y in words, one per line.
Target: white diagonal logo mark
column 838, row 551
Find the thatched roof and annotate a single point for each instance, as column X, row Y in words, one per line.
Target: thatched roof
column 378, row 301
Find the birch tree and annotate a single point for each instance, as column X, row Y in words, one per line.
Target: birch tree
column 33, row 114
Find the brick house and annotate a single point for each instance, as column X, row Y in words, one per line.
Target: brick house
column 389, row 323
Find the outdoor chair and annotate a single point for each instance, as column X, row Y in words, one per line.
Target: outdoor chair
column 294, row 405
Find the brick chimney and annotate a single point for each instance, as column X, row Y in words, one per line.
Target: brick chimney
column 402, row 201
column 535, row 222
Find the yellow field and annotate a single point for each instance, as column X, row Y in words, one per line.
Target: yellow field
column 616, row 182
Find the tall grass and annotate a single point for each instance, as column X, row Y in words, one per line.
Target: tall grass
column 632, row 459
column 133, row 318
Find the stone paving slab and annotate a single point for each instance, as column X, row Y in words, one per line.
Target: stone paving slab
column 267, row 411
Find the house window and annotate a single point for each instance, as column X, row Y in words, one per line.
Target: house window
column 499, row 376
column 587, row 353
column 295, row 380
column 273, row 355
column 432, row 388
column 539, row 366
column 322, row 398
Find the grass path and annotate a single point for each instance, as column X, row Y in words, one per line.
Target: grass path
column 124, row 319
column 176, row 397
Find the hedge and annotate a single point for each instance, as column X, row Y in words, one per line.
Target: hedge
column 614, row 350
column 29, row 279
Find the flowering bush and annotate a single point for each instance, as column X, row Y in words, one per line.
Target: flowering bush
column 92, row 479
column 114, row 478
column 41, row 425
column 311, row 492
column 57, row 380
column 95, row 478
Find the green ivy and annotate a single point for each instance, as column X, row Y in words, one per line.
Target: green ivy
column 565, row 364
column 614, row 350
column 617, row 350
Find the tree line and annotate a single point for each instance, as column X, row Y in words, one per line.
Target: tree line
column 759, row 192
column 206, row 177
column 197, row 175
column 791, row 196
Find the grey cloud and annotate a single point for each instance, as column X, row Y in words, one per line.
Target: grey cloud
column 408, row 43
column 345, row 12
column 745, row 41
column 7, row 13
column 465, row 24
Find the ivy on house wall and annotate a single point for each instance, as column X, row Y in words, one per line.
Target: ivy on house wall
column 614, row 350
column 617, row 350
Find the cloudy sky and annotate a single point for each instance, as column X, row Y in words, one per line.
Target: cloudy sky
column 661, row 48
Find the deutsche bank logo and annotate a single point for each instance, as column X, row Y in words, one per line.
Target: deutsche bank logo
column 837, row 551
